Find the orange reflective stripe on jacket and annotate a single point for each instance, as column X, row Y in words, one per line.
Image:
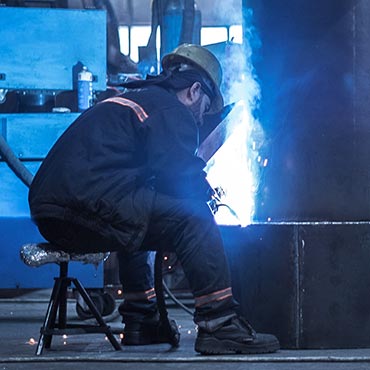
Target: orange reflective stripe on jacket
column 215, row 296
column 138, row 109
column 139, row 296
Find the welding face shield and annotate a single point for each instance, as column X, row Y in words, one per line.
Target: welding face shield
column 201, row 59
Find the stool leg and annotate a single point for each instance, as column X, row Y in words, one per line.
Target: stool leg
column 96, row 314
column 60, row 307
column 49, row 321
column 65, row 283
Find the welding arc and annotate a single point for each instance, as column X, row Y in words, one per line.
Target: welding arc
column 14, row 163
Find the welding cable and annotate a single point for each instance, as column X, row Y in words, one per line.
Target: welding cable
column 19, row 169
column 174, row 299
column 171, row 295
column 218, row 205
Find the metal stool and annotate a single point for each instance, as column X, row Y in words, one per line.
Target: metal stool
column 36, row 255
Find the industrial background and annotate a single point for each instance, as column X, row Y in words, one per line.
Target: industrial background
column 299, row 72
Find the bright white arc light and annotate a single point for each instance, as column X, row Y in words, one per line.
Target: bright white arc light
column 235, row 166
column 230, row 169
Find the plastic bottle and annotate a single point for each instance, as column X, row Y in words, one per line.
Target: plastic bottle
column 84, row 89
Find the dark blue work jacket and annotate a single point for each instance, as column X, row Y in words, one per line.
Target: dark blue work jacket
column 107, row 166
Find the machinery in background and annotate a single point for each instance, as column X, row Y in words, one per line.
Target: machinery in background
column 43, row 50
column 179, row 22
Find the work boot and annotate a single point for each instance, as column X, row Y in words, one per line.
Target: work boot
column 235, row 336
column 141, row 333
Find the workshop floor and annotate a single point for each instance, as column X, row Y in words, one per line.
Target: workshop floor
column 21, row 318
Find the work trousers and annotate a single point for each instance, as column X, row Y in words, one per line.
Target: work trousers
column 183, row 226
column 187, row 228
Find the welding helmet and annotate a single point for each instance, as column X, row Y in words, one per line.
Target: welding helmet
column 202, row 59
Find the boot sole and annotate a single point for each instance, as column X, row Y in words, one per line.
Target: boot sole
column 137, row 338
column 214, row 346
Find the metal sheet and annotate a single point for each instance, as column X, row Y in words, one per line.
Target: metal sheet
column 32, row 135
column 306, row 283
column 335, row 276
column 263, row 263
column 14, row 194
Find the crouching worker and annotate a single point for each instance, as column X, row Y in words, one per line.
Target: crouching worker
column 125, row 177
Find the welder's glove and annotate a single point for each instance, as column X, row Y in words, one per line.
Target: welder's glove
column 194, row 186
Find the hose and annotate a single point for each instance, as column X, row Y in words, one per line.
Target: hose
column 19, row 169
column 170, row 294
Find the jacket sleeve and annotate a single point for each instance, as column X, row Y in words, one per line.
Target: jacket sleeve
column 173, row 139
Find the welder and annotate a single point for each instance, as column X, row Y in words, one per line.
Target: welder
column 125, row 177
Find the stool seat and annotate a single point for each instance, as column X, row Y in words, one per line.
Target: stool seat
column 38, row 254
column 55, row 321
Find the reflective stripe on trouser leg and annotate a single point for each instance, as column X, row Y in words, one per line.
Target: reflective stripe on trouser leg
column 136, row 275
column 219, row 295
column 139, row 296
column 187, row 227
column 138, row 306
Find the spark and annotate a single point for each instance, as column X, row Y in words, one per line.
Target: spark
column 31, row 342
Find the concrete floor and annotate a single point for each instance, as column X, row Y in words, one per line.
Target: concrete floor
column 21, row 318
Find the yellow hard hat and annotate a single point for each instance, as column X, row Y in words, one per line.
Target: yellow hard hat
column 202, row 59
